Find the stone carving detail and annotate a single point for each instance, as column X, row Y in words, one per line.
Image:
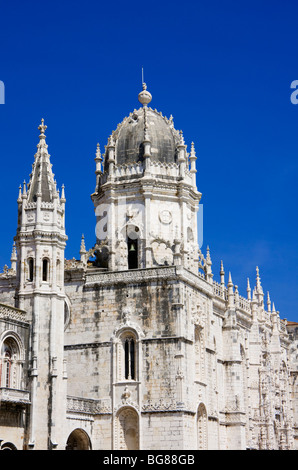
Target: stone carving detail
column 11, row 313
column 127, row 430
column 165, row 217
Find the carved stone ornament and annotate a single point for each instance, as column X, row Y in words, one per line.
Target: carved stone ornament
column 165, row 216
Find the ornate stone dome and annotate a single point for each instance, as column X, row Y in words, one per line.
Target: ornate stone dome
column 145, row 124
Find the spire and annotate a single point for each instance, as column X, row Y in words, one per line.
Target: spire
column 98, row 162
column 111, row 156
column 236, row 297
column 209, row 274
column 230, row 293
column 42, row 178
column 268, row 302
column 259, row 289
column 222, row 274
column 20, row 195
column 63, row 200
column 83, row 246
column 258, row 279
column 248, row 289
column 14, row 258
column 181, row 147
column 192, row 159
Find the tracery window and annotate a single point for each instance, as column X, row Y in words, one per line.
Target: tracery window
column 7, row 367
column 10, row 364
column 127, row 356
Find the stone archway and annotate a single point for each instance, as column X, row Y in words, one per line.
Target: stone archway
column 7, row 446
column 78, row 440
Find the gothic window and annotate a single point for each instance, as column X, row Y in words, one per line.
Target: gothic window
column 127, row 356
column 30, row 269
column 10, row 364
column 45, row 269
column 7, row 367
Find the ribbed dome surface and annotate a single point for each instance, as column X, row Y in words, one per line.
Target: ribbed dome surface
column 129, row 138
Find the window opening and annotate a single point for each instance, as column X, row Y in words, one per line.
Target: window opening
column 45, row 265
column 129, row 350
column 132, row 246
column 31, row 269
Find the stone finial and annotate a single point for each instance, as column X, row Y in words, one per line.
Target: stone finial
column 144, row 96
column 42, row 127
column 83, row 246
column 63, row 200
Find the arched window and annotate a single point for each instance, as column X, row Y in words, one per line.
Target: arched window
column 58, row 273
column 7, row 366
column 10, row 364
column 30, row 269
column 45, row 269
column 127, row 356
column 132, row 245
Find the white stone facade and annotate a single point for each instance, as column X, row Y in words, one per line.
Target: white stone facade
column 135, row 345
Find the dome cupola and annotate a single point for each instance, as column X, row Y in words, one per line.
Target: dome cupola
column 144, row 124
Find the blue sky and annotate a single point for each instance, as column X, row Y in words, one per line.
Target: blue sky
column 223, row 69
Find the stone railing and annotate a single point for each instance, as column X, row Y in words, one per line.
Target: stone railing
column 12, row 395
column 87, row 406
column 11, row 313
column 138, row 275
column 129, row 170
column 218, row 290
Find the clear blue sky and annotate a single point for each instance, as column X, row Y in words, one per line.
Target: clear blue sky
column 223, row 69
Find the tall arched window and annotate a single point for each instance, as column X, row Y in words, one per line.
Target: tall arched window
column 30, row 269
column 127, row 356
column 10, row 364
column 45, row 269
column 58, row 273
column 7, row 367
column 133, row 253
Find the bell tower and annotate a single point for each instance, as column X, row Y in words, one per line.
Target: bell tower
column 40, row 244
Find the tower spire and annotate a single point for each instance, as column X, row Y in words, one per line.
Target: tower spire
column 42, row 181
